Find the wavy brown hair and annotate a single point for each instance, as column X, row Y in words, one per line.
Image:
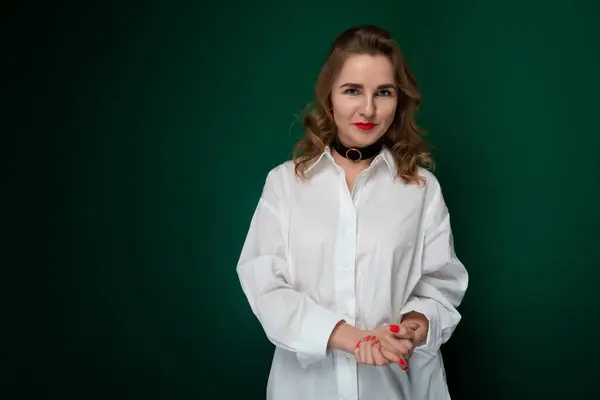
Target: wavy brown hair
column 404, row 138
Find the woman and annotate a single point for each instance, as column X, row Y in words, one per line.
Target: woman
column 349, row 262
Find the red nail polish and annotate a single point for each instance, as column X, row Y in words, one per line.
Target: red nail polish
column 358, row 344
column 402, row 362
column 394, row 328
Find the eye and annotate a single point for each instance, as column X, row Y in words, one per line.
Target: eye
column 385, row 93
column 351, row 91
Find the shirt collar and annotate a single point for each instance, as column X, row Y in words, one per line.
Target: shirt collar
column 389, row 160
column 385, row 155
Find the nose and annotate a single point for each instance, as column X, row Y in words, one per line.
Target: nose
column 368, row 107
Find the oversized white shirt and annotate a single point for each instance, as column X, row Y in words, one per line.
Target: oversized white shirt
column 316, row 253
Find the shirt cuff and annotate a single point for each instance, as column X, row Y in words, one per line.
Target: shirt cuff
column 316, row 330
column 434, row 334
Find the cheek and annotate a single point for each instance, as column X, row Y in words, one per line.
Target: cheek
column 388, row 110
column 342, row 109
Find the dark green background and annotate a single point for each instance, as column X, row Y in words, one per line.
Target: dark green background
column 142, row 137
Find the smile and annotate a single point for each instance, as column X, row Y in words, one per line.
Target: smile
column 365, row 126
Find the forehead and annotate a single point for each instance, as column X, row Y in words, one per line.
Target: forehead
column 366, row 69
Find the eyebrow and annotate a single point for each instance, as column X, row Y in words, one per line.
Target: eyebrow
column 360, row 86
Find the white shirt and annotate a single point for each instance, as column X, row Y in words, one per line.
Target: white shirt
column 316, row 254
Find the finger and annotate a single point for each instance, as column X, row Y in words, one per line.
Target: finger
column 368, row 356
column 357, row 353
column 398, row 344
column 411, row 349
column 411, row 325
column 393, row 358
column 396, row 355
column 391, row 349
column 406, row 348
column 361, row 350
column 403, row 348
column 358, row 350
column 358, row 344
column 407, row 333
column 402, row 332
column 391, row 343
column 378, row 358
column 403, row 364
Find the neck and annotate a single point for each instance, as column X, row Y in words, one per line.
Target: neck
column 348, row 164
column 357, row 154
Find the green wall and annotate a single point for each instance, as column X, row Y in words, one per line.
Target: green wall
column 143, row 134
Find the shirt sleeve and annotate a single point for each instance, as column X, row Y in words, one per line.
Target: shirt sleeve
column 290, row 319
column 444, row 278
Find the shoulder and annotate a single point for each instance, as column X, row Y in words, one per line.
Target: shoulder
column 278, row 178
column 425, row 189
column 431, row 184
column 434, row 204
column 281, row 172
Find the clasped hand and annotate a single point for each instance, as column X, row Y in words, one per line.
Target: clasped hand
column 387, row 344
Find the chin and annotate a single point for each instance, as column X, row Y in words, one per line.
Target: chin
column 363, row 139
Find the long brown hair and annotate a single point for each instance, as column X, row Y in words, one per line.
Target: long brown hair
column 404, row 138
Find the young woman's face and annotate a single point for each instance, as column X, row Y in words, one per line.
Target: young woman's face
column 364, row 99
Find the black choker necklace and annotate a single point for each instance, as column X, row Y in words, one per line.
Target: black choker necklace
column 356, row 153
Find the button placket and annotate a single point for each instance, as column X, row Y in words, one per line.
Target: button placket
column 345, row 288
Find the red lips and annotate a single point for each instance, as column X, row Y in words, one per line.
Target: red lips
column 365, row 126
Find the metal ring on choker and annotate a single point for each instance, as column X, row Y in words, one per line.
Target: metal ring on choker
column 353, row 155
column 357, row 154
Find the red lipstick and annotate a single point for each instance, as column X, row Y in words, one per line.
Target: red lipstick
column 365, row 126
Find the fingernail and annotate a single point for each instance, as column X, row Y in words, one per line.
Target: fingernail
column 376, row 341
column 394, row 328
column 358, row 344
column 402, row 362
